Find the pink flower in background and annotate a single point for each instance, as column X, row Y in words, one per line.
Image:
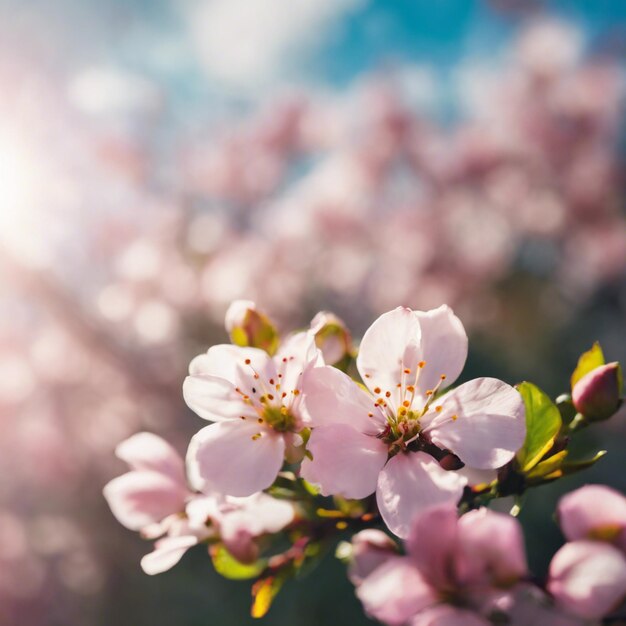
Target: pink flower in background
column 364, row 442
column 594, row 512
column 463, row 562
column 370, row 548
column 255, row 402
column 588, row 578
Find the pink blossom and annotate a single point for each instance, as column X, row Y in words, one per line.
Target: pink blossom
column 594, row 512
column 378, row 441
column 255, row 403
column 154, row 489
column 461, row 561
column 588, row 578
column 237, row 522
column 370, row 549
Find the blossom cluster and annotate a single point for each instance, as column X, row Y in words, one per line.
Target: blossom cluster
column 101, row 309
column 401, row 452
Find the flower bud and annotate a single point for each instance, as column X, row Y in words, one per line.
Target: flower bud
column 332, row 337
column 370, row 548
column 597, row 394
column 248, row 327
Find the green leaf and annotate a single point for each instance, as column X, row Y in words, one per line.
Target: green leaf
column 229, row 567
column 263, row 592
column 588, row 361
column 571, row 467
column 543, row 422
column 549, row 465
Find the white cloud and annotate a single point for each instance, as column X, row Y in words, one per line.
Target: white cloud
column 249, row 43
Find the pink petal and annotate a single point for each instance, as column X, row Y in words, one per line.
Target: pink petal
column 228, row 457
column 331, row 397
column 145, row 451
column 593, row 511
column 167, row 552
column 395, row 592
column 445, row 615
column 228, row 362
column 256, row 515
column 410, row 483
column 444, row 347
column 491, row 549
column 345, row 461
column 482, row 421
column 370, row 549
column 141, row 498
column 527, row 605
column 215, row 399
column 588, row 578
column 391, row 344
column 300, row 352
column 432, row 544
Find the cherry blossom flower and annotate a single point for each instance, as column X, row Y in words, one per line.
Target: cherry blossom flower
column 154, row 499
column 255, row 402
column 154, row 489
column 450, row 561
column 588, row 578
column 594, row 512
column 236, row 522
column 380, row 441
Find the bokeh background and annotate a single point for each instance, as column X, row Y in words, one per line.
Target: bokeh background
column 160, row 158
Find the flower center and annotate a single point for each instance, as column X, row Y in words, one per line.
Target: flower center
column 403, row 408
column 279, row 418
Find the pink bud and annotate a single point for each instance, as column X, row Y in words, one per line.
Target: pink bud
column 588, row 578
column 249, row 327
column 370, row 548
column 597, row 394
column 332, row 337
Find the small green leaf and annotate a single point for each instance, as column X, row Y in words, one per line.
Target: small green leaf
column 543, row 422
column 229, row 567
column 571, row 467
column 588, row 361
column 549, row 465
column 263, row 592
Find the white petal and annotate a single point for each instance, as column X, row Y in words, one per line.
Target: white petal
column 215, row 399
column 141, row 498
column 395, row 591
column 255, row 515
column 444, row 347
column 332, row 397
column 229, row 363
column 295, row 358
column 228, row 457
column 391, row 344
column 167, row 552
column 146, row 451
column 410, row 483
column 345, row 461
column 489, row 426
